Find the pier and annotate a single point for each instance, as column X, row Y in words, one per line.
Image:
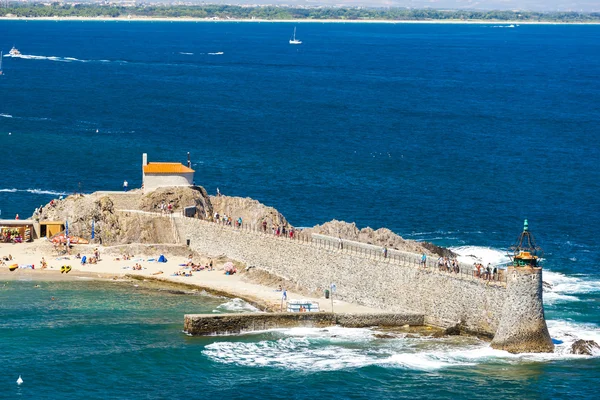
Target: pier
column 224, row 324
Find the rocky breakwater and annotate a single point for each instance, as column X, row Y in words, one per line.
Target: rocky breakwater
column 522, row 327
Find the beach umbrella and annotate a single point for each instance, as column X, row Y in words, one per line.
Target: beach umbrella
column 66, row 228
column 93, row 233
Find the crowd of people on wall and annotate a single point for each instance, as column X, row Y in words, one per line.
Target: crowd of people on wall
column 489, row 272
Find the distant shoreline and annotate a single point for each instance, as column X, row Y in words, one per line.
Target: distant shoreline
column 322, row 21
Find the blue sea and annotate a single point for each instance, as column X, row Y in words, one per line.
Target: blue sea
column 447, row 133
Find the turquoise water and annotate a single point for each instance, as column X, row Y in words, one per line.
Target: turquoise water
column 447, row 133
column 114, row 340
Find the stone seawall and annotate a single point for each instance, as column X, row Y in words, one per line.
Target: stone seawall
column 210, row 324
column 444, row 299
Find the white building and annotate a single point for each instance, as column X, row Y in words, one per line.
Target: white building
column 165, row 174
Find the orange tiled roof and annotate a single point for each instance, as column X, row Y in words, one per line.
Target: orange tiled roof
column 166, row 168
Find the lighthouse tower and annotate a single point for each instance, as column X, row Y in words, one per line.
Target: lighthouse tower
column 522, row 327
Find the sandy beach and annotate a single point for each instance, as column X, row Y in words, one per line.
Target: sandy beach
column 299, row 21
column 109, row 268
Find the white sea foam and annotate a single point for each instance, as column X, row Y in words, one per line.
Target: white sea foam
column 568, row 332
column 218, row 53
column 484, row 255
column 236, row 305
column 186, row 54
column 313, row 349
column 8, row 190
column 563, row 284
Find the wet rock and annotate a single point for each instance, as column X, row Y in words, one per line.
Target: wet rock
column 585, row 347
column 547, row 285
column 384, row 336
column 453, row 330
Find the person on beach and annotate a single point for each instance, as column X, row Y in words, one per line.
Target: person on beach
column 125, row 185
column 284, row 294
column 264, row 224
column 239, row 222
column 43, row 263
column 424, row 260
column 210, row 264
column 17, row 216
column 340, row 243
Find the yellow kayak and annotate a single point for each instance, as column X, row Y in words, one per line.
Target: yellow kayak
column 13, row 267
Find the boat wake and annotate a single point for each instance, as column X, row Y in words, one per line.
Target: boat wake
column 219, row 53
column 52, row 58
column 34, row 191
column 335, row 348
column 6, row 116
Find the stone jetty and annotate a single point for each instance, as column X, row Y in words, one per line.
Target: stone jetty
column 222, row 324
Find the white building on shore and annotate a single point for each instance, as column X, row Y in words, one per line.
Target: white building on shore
column 165, row 174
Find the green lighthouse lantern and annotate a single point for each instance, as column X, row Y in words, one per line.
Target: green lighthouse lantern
column 526, row 253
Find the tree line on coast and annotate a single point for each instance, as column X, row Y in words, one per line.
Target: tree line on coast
column 215, row 11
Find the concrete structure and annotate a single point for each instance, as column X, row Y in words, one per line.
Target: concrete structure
column 512, row 312
column 51, row 228
column 221, row 324
column 444, row 299
column 523, row 326
column 165, row 174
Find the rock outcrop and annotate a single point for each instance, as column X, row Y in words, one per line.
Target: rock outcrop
column 381, row 237
column 179, row 198
column 585, row 347
column 111, row 226
column 252, row 211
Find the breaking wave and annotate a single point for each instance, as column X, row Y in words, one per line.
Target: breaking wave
column 565, row 288
column 314, row 349
column 236, row 305
column 218, row 53
column 484, row 255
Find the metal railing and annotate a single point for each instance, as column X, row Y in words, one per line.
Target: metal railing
column 357, row 249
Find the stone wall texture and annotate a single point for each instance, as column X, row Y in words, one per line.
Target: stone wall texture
column 444, row 299
column 523, row 326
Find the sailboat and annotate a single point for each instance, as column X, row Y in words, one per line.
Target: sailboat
column 293, row 39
